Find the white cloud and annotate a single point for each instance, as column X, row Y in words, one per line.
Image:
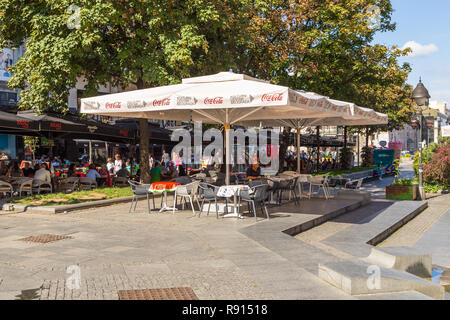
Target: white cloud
column 420, row 50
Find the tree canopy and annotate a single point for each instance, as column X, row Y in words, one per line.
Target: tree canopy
column 321, row 46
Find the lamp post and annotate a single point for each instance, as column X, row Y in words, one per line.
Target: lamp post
column 421, row 97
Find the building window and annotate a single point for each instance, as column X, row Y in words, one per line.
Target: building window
column 8, row 99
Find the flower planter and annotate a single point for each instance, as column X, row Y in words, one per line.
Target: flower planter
column 402, row 192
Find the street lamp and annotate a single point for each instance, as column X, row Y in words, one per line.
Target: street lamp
column 421, row 97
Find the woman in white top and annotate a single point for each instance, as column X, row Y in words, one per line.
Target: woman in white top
column 118, row 164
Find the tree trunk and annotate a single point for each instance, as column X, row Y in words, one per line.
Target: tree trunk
column 143, row 151
column 367, row 136
column 143, row 144
column 285, row 135
column 318, row 148
column 345, row 136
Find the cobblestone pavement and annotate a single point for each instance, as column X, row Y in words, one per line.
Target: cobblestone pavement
column 118, row 250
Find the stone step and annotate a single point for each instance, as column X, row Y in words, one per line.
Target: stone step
column 358, row 278
column 402, row 258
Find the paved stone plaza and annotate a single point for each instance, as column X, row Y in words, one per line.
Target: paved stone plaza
column 218, row 258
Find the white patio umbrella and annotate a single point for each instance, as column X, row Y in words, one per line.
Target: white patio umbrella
column 358, row 117
column 225, row 98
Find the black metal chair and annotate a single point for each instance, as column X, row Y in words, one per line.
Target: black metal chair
column 257, row 196
column 208, row 192
column 287, row 186
column 140, row 190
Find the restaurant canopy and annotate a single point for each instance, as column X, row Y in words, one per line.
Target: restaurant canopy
column 11, row 123
column 72, row 125
column 224, row 98
column 156, row 134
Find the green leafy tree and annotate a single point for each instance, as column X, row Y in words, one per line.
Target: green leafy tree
column 322, row 46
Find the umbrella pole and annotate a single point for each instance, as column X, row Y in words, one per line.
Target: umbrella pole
column 298, row 151
column 227, row 149
column 90, row 151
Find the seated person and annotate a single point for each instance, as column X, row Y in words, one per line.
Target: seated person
column 105, row 173
column 15, row 171
column 156, row 173
column 181, row 170
column 128, row 167
column 110, row 165
column 123, row 173
column 379, row 171
column 172, row 172
column 43, row 174
column 27, row 170
column 71, row 172
column 254, row 171
column 93, row 173
column 3, row 169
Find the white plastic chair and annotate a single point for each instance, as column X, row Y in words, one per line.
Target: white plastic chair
column 187, row 191
column 5, row 188
column 321, row 182
column 87, row 183
column 26, row 185
column 41, row 185
column 352, row 185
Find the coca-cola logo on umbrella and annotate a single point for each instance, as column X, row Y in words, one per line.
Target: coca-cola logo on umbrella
column 161, row 102
column 241, row 99
column 113, row 105
column 189, row 101
column 216, row 100
column 272, row 97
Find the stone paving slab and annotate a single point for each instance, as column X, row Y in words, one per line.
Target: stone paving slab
column 354, row 239
column 163, row 250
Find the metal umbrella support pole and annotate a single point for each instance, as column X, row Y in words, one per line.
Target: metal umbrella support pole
column 90, row 151
column 227, row 148
column 298, row 150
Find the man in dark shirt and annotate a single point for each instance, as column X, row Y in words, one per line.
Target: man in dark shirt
column 254, row 170
column 27, row 170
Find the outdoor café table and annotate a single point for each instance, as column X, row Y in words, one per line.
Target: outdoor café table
column 163, row 187
column 232, row 191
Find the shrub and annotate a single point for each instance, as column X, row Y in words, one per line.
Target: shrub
column 427, row 155
column 367, row 156
column 437, row 170
column 345, row 158
column 403, row 182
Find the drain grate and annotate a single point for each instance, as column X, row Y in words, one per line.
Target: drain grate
column 180, row 293
column 45, row 238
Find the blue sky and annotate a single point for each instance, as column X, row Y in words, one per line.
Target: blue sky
column 427, row 23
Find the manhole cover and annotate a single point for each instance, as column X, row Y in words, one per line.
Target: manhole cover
column 182, row 293
column 45, row 238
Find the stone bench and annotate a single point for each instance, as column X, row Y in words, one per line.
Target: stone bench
column 357, row 277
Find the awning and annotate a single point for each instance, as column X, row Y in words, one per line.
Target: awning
column 83, row 128
column 11, row 123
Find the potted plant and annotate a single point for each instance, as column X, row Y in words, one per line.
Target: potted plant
column 402, row 189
